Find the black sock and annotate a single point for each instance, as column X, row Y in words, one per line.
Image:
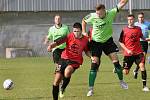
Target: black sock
column 55, row 92
column 137, row 68
column 144, row 77
column 65, row 83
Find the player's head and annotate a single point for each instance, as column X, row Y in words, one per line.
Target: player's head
column 57, row 19
column 77, row 30
column 130, row 19
column 100, row 10
column 141, row 17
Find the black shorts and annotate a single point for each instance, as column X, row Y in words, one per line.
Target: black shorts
column 129, row 60
column 63, row 63
column 144, row 46
column 57, row 55
column 108, row 47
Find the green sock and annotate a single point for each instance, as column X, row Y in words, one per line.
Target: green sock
column 119, row 73
column 92, row 77
column 118, row 70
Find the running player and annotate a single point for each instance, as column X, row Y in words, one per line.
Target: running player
column 102, row 39
column 132, row 50
column 58, row 30
column 71, row 57
column 145, row 26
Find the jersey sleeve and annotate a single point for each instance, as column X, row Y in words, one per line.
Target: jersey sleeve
column 49, row 34
column 61, row 40
column 88, row 18
column 113, row 12
column 121, row 39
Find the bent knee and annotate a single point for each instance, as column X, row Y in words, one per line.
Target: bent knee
column 126, row 71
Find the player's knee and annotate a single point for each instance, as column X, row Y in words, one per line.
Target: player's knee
column 94, row 66
column 126, row 71
column 95, row 60
column 117, row 65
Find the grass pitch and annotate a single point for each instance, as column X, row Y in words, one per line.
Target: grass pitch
column 33, row 79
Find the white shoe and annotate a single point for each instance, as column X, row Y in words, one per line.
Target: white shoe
column 61, row 95
column 145, row 89
column 123, row 85
column 90, row 93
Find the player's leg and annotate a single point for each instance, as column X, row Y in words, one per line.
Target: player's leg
column 111, row 52
column 71, row 67
column 144, row 45
column 95, row 62
column 56, row 58
column 140, row 60
column 57, row 80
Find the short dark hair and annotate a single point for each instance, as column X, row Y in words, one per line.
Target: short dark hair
column 131, row 15
column 100, row 6
column 77, row 25
column 141, row 13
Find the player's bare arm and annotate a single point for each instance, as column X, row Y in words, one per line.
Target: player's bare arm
column 56, row 43
column 51, row 46
column 122, row 3
column 84, row 28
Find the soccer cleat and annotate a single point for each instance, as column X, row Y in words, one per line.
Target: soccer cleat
column 123, row 85
column 135, row 74
column 61, row 94
column 145, row 89
column 90, row 93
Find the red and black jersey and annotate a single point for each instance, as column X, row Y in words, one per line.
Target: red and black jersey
column 74, row 47
column 130, row 37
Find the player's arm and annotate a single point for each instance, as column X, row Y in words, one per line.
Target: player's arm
column 84, row 27
column 121, row 42
column 88, row 54
column 56, row 43
column 122, row 3
column 46, row 40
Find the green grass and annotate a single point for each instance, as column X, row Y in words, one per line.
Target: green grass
column 33, row 79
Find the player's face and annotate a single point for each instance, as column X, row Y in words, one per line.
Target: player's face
column 101, row 13
column 141, row 18
column 77, row 32
column 57, row 20
column 130, row 21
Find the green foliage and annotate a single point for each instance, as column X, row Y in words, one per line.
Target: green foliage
column 33, row 78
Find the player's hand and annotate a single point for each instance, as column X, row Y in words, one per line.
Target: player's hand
column 85, row 34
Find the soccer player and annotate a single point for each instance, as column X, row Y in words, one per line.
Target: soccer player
column 102, row 39
column 132, row 50
column 145, row 26
column 71, row 57
column 58, row 30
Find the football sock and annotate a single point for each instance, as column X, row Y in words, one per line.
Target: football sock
column 118, row 70
column 65, row 83
column 144, row 77
column 55, row 92
column 92, row 77
column 136, row 69
column 93, row 74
